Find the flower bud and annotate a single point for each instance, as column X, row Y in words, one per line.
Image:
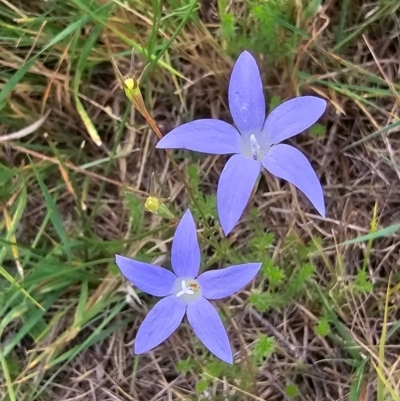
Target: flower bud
column 155, row 206
column 132, row 92
column 152, row 204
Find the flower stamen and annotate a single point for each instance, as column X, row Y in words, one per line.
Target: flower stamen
column 185, row 290
column 255, row 147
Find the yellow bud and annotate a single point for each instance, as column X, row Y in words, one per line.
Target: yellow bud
column 129, row 83
column 152, row 204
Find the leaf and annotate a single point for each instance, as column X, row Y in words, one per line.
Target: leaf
column 7, row 376
column 373, row 235
column 374, row 134
column 25, row 131
column 384, row 232
column 54, row 214
column 85, row 51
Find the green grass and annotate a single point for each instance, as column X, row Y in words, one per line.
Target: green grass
column 326, row 299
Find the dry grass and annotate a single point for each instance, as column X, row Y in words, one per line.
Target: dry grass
column 359, row 172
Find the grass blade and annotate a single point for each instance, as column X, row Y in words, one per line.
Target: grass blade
column 54, row 214
column 7, row 376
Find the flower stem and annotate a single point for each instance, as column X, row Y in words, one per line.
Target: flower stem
column 133, row 93
column 182, row 177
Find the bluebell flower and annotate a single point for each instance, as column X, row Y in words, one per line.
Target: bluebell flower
column 255, row 142
column 185, row 292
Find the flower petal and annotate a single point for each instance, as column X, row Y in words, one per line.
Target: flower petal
column 290, row 164
column 162, row 320
column 208, row 136
column 246, row 97
column 208, row 327
column 154, row 280
column 217, row 284
column 234, row 189
column 292, row 117
column 185, row 254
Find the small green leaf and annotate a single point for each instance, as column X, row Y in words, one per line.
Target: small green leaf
column 292, row 390
column 203, row 384
column 323, row 328
column 187, row 365
column 362, row 285
column 317, row 131
column 263, row 348
column 261, row 301
column 272, row 272
column 274, row 102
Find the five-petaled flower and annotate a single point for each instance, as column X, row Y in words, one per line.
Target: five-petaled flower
column 185, row 292
column 256, row 142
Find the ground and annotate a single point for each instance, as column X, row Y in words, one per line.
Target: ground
column 320, row 322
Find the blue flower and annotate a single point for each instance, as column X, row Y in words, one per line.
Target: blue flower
column 185, row 292
column 255, row 143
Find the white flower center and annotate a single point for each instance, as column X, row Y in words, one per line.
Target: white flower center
column 255, row 147
column 187, row 289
